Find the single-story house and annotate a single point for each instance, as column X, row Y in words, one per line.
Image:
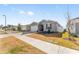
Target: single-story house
column 73, row 25
column 25, row 27
column 15, row 27
column 11, row 27
column 45, row 26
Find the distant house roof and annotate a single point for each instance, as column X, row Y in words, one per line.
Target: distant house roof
column 75, row 18
column 34, row 23
column 23, row 25
column 47, row 21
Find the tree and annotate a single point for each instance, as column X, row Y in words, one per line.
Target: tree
column 13, row 29
column 9, row 26
column 19, row 27
column 68, row 23
column 69, row 26
column 64, row 31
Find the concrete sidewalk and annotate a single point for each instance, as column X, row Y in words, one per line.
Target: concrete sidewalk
column 45, row 46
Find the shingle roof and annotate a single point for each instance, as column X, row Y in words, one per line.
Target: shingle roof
column 75, row 18
column 34, row 23
column 47, row 21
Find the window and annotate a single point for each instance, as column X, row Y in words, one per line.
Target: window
column 46, row 26
column 50, row 26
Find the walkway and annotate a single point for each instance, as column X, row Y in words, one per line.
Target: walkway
column 45, row 46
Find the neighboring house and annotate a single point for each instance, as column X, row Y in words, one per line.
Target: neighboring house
column 73, row 25
column 49, row 25
column 11, row 27
column 45, row 26
column 25, row 27
column 15, row 27
column 28, row 28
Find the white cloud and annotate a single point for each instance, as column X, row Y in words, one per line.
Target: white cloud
column 26, row 13
column 21, row 12
column 30, row 13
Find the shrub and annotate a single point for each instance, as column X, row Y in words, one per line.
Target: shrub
column 74, row 35
column 64, row 31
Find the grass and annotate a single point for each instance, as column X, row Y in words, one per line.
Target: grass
column 15, row 50
column 55, row 40
column 12, row 45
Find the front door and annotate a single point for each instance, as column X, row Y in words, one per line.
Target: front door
column 41, row 28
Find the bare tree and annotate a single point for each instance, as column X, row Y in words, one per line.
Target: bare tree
column 69, row 25
column 68, row 22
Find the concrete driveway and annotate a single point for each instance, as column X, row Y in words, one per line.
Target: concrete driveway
column 45, row 46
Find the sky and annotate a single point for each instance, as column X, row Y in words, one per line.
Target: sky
column 28, row 13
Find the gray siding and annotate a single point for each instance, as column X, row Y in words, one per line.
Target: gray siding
column 77, row 28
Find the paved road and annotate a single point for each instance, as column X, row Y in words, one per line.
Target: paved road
column 4, row 35
column 45, row 46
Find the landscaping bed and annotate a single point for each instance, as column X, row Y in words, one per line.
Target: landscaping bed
column 12, row 45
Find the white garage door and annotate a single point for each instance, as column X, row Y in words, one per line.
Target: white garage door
column 34, row 28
